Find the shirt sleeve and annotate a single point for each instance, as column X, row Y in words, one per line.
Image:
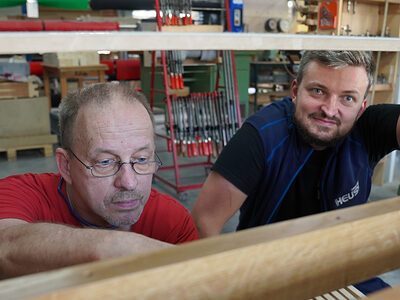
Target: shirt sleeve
column 241, row 161
column 17, row 199
column 378, row 129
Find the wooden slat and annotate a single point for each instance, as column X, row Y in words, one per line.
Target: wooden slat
column 72, row 276
column 292, row 268
column 44, row 42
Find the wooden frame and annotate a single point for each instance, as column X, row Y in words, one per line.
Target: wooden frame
column 269, row 262
column 63, row 73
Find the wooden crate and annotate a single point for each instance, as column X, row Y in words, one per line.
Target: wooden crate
column 14, row 89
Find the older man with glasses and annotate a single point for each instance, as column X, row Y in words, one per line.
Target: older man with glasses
column 101, row 204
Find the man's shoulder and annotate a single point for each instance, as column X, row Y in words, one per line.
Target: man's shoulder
column 31, row 179
column 279, row 112
column 164, row 218
column 165, row 200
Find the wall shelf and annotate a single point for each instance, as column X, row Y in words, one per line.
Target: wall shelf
column 44, row 42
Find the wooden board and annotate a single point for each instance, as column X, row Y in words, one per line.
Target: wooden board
column 14, row 89
column 180, row 92
column 41, row 42
column 298, row 267
column 41, row 283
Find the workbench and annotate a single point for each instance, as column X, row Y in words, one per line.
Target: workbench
column 63, row 73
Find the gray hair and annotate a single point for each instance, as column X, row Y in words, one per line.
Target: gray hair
column 99, row 94
column 339, row 59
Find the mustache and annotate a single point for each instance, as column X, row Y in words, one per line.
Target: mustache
column 125, row 195
column 322, row 115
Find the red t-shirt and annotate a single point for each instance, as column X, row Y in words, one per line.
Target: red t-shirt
column 34, row 198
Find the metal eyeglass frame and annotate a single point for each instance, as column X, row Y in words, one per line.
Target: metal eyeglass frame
column 159, row 164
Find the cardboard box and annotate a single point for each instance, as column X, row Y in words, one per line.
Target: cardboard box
column 64, row 59
column 24, row 117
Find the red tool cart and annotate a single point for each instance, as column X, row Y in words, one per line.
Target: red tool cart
column 199, row 124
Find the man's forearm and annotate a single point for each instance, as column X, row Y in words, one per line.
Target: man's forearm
column 29, row 248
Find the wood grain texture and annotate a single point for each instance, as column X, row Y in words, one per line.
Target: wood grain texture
column 45, row 42
column 41, row 283
column 297, row 267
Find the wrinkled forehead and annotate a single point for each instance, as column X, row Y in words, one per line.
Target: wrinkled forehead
column 119, row 121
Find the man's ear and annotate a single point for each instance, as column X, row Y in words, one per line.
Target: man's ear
column 362, row 109
column 63, row 164
column 293, row 90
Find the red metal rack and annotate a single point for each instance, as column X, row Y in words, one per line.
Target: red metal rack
column 176, row 166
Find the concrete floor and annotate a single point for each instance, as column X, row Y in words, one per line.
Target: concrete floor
column 34, row 162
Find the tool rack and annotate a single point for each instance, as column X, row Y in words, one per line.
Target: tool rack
column 170, row 136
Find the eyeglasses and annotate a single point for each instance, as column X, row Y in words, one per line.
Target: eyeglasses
column 110, row 168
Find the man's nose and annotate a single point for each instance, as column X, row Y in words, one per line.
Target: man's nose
column 330, row 106
column 126, row 178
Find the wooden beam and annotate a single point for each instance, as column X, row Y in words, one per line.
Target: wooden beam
column 298, row 267
column 41, row 283
column 42, row 42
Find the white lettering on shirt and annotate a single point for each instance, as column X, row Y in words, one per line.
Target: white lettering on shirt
column 347, row 197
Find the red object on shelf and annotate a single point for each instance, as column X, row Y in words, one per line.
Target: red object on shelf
column 22, row 25
column 36, row 68
column 33, row 25
column 80, row 26
column 110, row 64
column 128, row 69
column 328, row 15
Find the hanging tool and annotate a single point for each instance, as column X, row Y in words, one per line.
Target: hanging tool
column 177, row 123
column 182, row 127
column 205, row 125
column 193, row 133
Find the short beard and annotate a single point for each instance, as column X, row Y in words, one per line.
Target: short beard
column 119, row 197
column 314, row 140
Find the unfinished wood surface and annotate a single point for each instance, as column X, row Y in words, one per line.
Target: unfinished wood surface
column 14, row 89
column 72, row 276
column 298, row 267
column 42, row 42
